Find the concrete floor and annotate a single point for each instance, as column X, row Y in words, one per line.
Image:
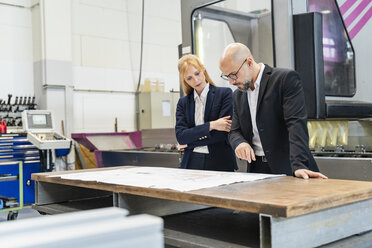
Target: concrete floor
column 25, row 213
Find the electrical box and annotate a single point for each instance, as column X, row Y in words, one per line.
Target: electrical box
column 157, row 109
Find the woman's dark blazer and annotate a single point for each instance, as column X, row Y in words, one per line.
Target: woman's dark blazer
column 219, row 104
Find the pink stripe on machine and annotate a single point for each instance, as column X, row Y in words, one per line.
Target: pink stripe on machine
column 356, row 12
column 361, row 23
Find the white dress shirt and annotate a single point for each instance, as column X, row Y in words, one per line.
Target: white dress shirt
column 199, row 114
column 252, row 102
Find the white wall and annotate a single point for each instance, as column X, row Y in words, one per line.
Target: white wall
column 106, row 56
column 16, row 65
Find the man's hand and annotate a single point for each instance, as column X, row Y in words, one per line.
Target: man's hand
column 181, row 147
column 245, row 151
column 306, row 174
column 222, row 124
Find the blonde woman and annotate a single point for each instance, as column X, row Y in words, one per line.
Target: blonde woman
column 203, row 119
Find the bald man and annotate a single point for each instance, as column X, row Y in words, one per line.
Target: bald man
column 269, row 125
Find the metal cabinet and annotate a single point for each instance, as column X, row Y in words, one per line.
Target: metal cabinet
column 14, row 148
column 157, row 109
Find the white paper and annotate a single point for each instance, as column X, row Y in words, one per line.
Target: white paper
column 166, row 108
column 165, row 178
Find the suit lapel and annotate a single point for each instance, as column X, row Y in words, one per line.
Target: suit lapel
column 192, row 109
column 263, row 84
column 209, row 104
column 246, row 114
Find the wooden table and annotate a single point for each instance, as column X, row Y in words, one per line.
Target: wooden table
column 292, row 212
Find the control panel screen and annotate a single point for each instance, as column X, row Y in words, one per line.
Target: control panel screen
column 39, row 119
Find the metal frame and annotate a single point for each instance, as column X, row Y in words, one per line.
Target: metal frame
column 317, row 228
column 12, row 178
column 139, row 204
column 54, row 194
column 281, row 22
column 187, row 9
column 48, row 193
column 350, row 168
column 236, row 21
column 352, row 48
column 283, row 33
column 314, row 229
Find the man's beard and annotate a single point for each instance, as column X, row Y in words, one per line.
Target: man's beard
column 246, row 86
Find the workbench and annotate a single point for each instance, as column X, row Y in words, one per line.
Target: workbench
column 276, row 212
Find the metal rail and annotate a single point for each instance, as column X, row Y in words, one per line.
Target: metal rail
column 20, row 179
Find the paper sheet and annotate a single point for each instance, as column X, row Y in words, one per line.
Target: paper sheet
column 166, row 108
column 165, row 178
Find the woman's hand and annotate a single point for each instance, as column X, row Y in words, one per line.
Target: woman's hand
column 222, row 124
column 181, row 147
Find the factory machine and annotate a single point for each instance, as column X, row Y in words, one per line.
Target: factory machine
column 158, row 149
column 148, row 147
column 39, row 125
column 11, row 112
column 326, row 41
column 18, row 157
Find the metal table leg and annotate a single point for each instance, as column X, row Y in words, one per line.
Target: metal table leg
column 317, row 228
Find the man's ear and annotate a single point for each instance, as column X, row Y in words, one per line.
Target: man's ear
column 249, row 61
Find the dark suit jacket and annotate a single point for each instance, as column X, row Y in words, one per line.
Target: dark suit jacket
column 281, row 121
column 219, row 104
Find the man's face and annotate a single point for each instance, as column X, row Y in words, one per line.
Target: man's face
column 238, row 75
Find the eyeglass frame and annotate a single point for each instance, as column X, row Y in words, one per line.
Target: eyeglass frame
column 232, row 76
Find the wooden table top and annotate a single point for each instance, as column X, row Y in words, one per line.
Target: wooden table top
column 280, row 197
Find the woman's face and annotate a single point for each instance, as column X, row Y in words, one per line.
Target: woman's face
column 195, row 78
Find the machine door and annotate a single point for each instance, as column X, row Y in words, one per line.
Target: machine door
column 338, row 52
column 217, row 25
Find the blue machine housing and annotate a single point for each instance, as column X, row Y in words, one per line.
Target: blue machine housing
column 62, row 152
column 16, row 147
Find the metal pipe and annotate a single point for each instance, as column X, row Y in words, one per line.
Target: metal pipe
column 42, row 39
column 19, row 6
column 54, row 86
column 140, row 69
column 105, row 91
column 13, row 5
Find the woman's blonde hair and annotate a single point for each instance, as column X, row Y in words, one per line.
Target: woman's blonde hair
column 184, row 63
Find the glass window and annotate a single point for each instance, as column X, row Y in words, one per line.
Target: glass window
column 217, row 25
column 338, row 53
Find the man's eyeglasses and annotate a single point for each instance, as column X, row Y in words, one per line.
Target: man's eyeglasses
column 233, row 76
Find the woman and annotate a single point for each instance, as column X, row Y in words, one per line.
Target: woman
column 203, row 119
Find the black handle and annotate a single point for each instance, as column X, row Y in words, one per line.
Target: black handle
column 9, row 98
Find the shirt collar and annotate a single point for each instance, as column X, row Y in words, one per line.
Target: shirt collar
column 204, row 93
column 258, row 80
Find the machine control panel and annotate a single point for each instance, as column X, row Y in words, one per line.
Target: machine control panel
column 40, row 130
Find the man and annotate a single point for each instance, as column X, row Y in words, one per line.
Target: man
column 269, row 127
